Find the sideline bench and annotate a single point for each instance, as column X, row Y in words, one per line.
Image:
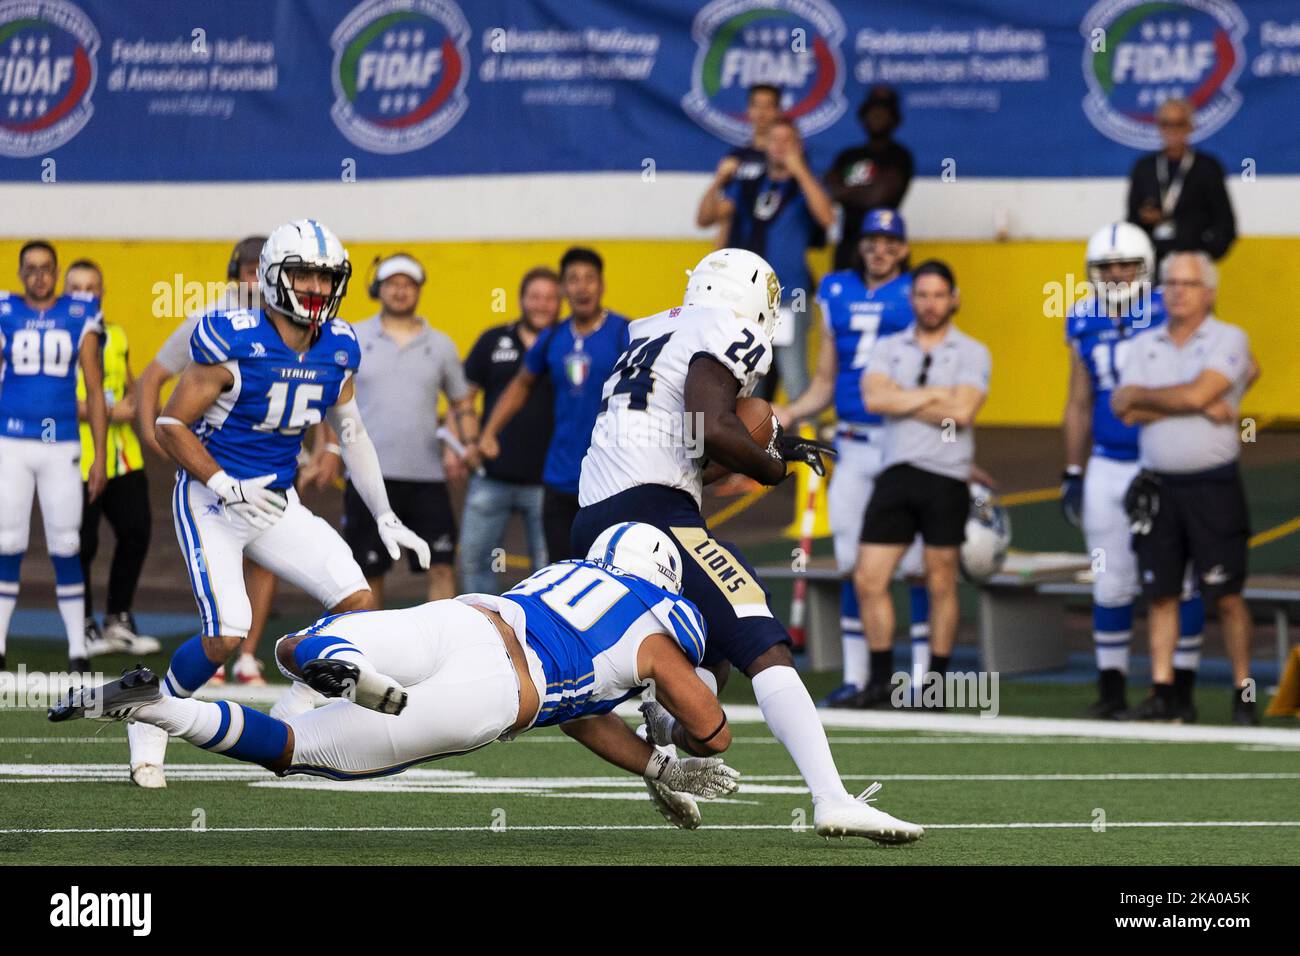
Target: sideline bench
column 1021, row 610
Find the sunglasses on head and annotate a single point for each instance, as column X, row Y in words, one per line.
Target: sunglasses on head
column 925, row 370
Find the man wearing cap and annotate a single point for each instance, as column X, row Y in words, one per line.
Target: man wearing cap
column 858, row 308
column 406, row 364
column 875, row 174
column 1182, row 383
column 928, row 382
column 777, row 216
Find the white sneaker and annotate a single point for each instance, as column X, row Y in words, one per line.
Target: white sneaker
column 148, row 752
column 149, row 776
column 119, row 630
column 248, row 671
column 856, row 818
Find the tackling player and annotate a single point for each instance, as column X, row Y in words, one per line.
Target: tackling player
column 668, row 406
column 44, row 339
column 1120, row 303
column 234, row 426
column 440, row 680
column 857, row 309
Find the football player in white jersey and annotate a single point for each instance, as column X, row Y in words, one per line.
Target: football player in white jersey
column 668, row 411
column 44, row 339
column 439, row 680
column 234, row 426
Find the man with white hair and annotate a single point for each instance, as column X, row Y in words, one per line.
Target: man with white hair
column 1182, row 383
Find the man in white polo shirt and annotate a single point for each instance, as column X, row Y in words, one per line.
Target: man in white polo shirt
column 928, row 382
column 1182, row 382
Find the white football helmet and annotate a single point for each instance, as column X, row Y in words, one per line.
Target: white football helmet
column 738, row 280
column 988, row 535
column 640, row 549
column 1120, row 242
column 304, row 244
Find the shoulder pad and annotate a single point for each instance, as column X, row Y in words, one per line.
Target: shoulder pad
column 221, row 336
column 338, row 335
column 683, row 623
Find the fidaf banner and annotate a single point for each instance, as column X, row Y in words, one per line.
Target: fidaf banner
column 138, row 90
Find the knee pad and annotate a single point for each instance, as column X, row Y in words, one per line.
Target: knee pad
column 1113, row 588
column 64, row 542
column 13, row 540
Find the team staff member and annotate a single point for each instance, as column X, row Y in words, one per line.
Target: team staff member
column 1182, row 383
column 512, row 482
column 576, row 356
column 871, row 176
column 405, row 365
column 777, row 217
column 172, row 359
column 125, row 501
column 859, row 307
column 929, row 382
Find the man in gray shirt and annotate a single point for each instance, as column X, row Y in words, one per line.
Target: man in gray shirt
column 928, row 382
column 1182, row 382
column 406, row 364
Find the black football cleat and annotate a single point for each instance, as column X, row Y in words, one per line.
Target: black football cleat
column 79, row 665
column 116, row 700
column 1243, row 711
column 1111, row 702
column 365, row 688
column 1155, row 709
column 874, row 697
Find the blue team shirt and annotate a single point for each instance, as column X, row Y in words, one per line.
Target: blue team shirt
column 38, row 382
column 577, row 371
column 256, row 426
column 579, row 614
column 857, row 317
column 1101, row 342
column 772, row 219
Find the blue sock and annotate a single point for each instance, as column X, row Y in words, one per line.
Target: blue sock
column 918, row 599
column 1112, row 632
column 247, row 734
column 327, row 647
column 189, row 670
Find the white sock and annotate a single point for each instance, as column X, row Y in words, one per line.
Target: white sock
column 182, row 717
column 72, row 609
column 7, row 605
column 920, row 661
column 854, row 645
column 1112, row 650
column 710, row 679
column 298, row 699
column 148, row 743
column 1187, row 654
column 792, row 717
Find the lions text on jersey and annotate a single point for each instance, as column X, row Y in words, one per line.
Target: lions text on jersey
column 857, row 316
column 1101, row 343
column 38, row 382
column 643, row 435
column 256, row 426
column 586, row 622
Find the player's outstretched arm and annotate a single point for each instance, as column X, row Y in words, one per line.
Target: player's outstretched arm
column 711, row 395
column 700, row 726
column 362, row 462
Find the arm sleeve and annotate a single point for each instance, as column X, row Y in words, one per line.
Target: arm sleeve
column 175, row 352
column 360, row 457
column 1232, row 358
column 976, row 368
column 535, row 360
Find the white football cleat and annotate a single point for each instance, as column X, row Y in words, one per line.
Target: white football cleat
column 679, row 809
column 149, row 776
column 856, row 818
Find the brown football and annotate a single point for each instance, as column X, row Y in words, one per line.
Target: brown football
column 757, row 417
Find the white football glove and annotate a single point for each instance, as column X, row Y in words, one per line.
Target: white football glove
column 658, row 723
column 396, row 536
column 251, row 499
column 702, row 776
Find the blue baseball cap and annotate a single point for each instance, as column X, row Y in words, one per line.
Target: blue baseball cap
column 884, row 222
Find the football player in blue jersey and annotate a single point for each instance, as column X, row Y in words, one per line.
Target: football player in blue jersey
column 1119, row 304
column 857, row 310
column 44, row 339
column 442, row 679
column 234, row 426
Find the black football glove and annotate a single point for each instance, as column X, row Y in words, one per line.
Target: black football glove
column 795, row 448
column 1072, row 498
column 1142, row 502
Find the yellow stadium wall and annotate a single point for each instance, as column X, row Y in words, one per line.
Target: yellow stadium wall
column 1002, row 286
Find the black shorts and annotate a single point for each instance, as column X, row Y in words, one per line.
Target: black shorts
column 716, row 577
column 423, row 506
column 908, row 499
column 1203, row 519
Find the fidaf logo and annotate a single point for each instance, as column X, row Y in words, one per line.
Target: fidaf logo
column 1153, row 51
column 47, row 74
column 793, row 45
column 399, row 73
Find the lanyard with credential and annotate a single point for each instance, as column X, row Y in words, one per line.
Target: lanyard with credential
column 1170, row 191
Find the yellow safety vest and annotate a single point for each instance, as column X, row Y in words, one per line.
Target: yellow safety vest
column 123, row 446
